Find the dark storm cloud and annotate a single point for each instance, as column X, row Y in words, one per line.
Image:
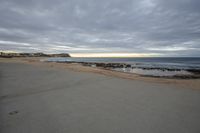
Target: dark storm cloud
column 168, row 27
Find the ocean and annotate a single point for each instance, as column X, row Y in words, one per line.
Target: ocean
column 157, row 66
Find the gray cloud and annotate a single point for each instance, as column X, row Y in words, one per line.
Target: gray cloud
column 171, row 27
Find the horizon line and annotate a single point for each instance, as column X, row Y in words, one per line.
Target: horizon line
column 103, row 55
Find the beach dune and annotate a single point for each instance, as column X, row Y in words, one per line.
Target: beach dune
column 40, row 99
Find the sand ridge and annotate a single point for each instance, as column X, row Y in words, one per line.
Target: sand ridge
column 180, row 83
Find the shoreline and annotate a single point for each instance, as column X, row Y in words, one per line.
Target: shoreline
column 118, row 67
column 179, row 82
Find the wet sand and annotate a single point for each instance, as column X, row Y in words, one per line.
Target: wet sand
column 52, row 97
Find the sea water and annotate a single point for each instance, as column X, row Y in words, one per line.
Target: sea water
column 157, row 66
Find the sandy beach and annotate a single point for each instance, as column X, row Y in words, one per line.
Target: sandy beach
column 40, row 97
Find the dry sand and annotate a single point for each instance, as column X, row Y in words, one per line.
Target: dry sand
column 38, row 97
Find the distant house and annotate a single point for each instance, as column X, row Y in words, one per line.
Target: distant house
column 9, row 55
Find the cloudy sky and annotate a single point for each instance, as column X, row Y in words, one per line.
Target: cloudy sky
column 137, row 27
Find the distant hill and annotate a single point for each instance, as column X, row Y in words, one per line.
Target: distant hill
column 10, row 55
